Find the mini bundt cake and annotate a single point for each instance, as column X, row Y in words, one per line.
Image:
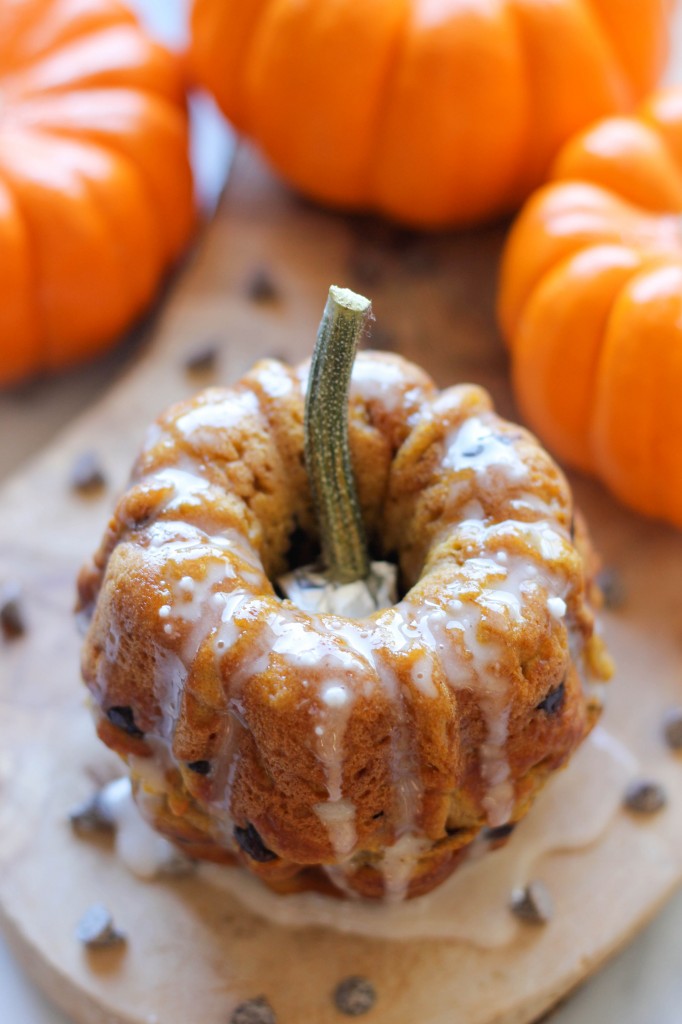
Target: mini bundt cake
column 354, row 756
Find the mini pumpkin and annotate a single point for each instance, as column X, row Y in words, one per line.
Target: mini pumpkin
column 95, row 186
column 591, row 304
column 432, row 113
column 358, row 748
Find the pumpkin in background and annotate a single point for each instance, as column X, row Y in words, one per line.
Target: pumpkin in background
column 433, row 113
column 591, row 305
column 95, row 186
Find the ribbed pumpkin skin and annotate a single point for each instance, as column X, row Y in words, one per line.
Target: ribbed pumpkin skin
column 591, row 305
column 433, row 112
column 95, row 186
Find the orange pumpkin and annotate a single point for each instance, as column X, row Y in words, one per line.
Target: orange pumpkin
column 433, row 113
column 95, row 186
column 591, row 304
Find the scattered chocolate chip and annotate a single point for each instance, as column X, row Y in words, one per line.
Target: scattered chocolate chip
column 572, row 529
column 355, row 996
column 672, row 728
column 644, row 796
column 554, row 700
column 200, row 767
column 261, row 287
column 96, row 930
column 499, row 832
column 12, row 617
column 203, row 360
column 252, row 844
column 532, row 903
column 91, row 816
column 379, row 814
column 611, row 585
column 122, row 718
column 86, row 474
column 254, row 1011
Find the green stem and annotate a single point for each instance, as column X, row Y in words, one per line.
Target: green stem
column 327, row 451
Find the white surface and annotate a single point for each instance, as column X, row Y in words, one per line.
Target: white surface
column 641, row 986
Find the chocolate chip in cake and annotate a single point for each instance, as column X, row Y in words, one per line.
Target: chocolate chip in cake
column 611, row 585
column 12, row 619
column 87, row 475
column 203, row 360
column 122, row 718
column 672, row 728
column 261, row 288
column 532, row 903
column 252, row 844
column 554, row 700
column 200, row 767
column 645, row 796
column 355, row 996
column 493, row 835
column 96, row 929
column 254, row 1011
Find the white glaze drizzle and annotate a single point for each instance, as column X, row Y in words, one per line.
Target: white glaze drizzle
column 574, row 810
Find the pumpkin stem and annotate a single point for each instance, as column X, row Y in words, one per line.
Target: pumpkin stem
column 327, row 451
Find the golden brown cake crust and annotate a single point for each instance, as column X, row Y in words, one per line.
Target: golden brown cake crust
column 357, row 756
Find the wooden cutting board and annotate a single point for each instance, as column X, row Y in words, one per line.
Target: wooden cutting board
column 192, row 957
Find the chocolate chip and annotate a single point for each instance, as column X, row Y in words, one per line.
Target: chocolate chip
column 87, row 474
column 200, row 767
column 473, row 452
column 122, row 718
column 252, row 844
column 96, row 930
column 611, row 585
column 672, row 728
column 203, row 360
column 379, row 814
column 254, row 1011
column 644, row 796
column 532, row 903
column 91, row 816
column 572, row 529
column 355, row 996
column 499, row 832
column 261, row 287
column 554, row 700
column 12, row 618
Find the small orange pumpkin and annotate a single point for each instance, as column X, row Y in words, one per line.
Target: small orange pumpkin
column 95, row 185
column 591, row 304
column 432, row 113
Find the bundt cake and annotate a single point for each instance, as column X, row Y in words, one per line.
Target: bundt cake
column 353, row 756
